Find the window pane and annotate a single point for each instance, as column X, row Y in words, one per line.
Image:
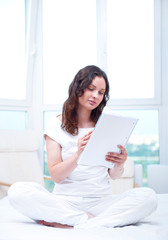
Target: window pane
column 47, row 116
column 130, row 29
column 13, row 120
column 69, row 43
column 12, row 49
column 143, row 146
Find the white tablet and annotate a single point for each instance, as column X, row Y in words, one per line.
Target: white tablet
column 111, row 130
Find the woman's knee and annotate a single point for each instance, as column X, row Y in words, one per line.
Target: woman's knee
column 149, row 198
column 19, row 190
column 15, row 189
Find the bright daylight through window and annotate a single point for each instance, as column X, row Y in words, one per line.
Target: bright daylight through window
column 130, row 48
column 69, row 43
column 13, row 63
column 12, row 49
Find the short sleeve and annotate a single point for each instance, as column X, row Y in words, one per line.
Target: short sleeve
column 53, row 129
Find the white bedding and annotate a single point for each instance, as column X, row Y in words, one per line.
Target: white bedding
column 14, row 226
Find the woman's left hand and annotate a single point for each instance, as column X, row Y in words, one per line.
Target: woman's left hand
column 117, row 158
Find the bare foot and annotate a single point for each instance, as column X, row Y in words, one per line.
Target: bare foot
column 54, row 224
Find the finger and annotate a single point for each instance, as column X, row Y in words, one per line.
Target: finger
column 122, row 154
column 84, row 142
column 89, row 134
column 123, row 150
column 87, row 137
column 82, row 148
column 115, row 160
column 115, row 155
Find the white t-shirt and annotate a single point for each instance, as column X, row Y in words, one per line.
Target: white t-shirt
column 84, row 180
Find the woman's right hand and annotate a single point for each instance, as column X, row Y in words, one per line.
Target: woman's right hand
column 83, row 141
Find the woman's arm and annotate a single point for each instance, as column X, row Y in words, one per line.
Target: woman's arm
column 58, row 168
column 118, row 159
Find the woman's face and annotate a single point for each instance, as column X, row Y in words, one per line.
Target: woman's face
column 93, row 94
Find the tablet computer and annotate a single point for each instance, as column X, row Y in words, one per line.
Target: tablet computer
column 111, row 130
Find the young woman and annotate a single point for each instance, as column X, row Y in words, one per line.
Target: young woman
column 82, row 196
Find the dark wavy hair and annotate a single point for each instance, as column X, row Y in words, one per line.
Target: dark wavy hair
column 80, row 82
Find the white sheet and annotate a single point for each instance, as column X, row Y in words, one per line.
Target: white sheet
column 14, row 226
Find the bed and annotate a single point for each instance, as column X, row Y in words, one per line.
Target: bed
column 14, row 225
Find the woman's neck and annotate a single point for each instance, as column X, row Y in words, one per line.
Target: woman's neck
column 84, row 119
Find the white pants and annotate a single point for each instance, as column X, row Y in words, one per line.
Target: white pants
column 34, row 201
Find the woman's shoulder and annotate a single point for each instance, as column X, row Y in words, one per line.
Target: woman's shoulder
column 53, row 129
column 55, row 121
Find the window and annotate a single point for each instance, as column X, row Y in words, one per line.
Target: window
column 13, row 25
column 13, row 120
column 130, row 48
column 67, row 35
column 69, row 43
column 12, row 49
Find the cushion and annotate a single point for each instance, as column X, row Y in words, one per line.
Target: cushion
column 18, row 141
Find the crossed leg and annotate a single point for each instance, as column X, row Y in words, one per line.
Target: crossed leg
column 35, row 202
